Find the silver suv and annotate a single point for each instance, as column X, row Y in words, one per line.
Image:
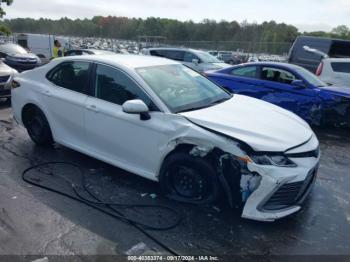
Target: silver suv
column 198, row 60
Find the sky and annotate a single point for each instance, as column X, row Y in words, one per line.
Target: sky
column 306, row 15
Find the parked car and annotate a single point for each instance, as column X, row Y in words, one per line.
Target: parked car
column 78, row 52
column 334, row 48
column 6, row 75
column 335, row 71
column 18, row 58
column 164, row 121
column 291, row 87
column 198, row 60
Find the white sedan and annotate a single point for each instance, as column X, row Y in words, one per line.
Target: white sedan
column 163, row 121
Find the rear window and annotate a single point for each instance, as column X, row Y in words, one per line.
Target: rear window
column 341, row 67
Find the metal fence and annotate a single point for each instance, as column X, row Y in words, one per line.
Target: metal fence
column 273, row 48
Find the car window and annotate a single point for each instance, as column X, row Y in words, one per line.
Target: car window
column 182, row 88
column 341, row 67
column 160, row 53
column 189, row 57
column 73, row 53
column 71, row 75
column 249, row 71
column 277, row 75
column 175, row 55
column 116, row 87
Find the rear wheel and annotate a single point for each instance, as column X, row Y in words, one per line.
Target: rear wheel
column 189, row 179
column 38, row 127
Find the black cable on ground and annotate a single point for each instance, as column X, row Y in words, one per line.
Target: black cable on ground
column 98, row 203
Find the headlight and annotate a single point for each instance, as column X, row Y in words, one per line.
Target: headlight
column 273, row 160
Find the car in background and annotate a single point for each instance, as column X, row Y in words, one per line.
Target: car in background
column 18, row 58
column 6, row 76
column 197, row 60
column 291, row 87
column 201, row 141
column 78, row 52
column 334, row 48
column 335, row 71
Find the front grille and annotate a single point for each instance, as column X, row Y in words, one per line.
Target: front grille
column 290, row 194
column 4, row 79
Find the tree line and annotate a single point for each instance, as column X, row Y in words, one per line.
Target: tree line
column 130, row 28
column 264, row 37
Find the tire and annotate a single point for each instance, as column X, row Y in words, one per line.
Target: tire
column 189, row 179
column 38, row 127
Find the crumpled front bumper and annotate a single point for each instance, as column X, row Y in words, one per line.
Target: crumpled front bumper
column 290, row 186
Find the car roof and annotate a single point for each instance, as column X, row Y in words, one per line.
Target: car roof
column 129, row 61
column 347, row 60
column 174, row 49
column 278, row 64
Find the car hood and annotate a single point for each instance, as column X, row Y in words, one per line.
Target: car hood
column 263, row 126
column 336, row 90
column 5, row 70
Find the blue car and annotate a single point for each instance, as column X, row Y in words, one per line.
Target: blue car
column 291, row 87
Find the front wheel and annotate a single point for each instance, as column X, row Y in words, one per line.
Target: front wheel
column 189, row 179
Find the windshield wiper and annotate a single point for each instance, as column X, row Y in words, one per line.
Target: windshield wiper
column 193, row 109
column 206, row 106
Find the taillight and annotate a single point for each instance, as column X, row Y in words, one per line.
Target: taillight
column 15, row 84
column 319, row 69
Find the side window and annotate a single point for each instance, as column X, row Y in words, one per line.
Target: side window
column 277, row 75
column 249, row 71
column 71, row 75
column 175, row 55
column 189, row 57
column 341, row 67
column 116, row 87
column 159, row 53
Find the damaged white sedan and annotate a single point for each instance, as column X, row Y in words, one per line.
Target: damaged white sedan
column 161, row 120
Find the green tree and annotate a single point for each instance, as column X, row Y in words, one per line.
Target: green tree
column 2, row 12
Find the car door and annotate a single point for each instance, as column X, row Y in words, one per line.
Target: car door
column 303, row 101
column 244, row 80
column 119, row 138
column 65, row 95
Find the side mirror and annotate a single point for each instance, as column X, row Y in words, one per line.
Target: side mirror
column 137, row 106
column 299, row 84
column 195, row 61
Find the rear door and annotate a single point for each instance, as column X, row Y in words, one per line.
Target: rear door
column 243, row 80
column 65, row 99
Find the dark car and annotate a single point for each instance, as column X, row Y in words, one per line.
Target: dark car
column 18, row 58
column 291, row 87
column 334, row 48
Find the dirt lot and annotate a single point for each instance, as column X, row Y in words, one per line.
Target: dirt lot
column 36, row 222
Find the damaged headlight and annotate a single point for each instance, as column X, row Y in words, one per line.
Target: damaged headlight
column 273, row 160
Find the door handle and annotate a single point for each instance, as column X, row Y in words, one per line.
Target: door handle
column 92, row 108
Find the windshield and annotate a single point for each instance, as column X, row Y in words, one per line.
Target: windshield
column 310, row 77
column 182, row 89
column 207, row 58
column 12, row 49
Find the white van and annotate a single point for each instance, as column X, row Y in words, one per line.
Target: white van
column 40, row 44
